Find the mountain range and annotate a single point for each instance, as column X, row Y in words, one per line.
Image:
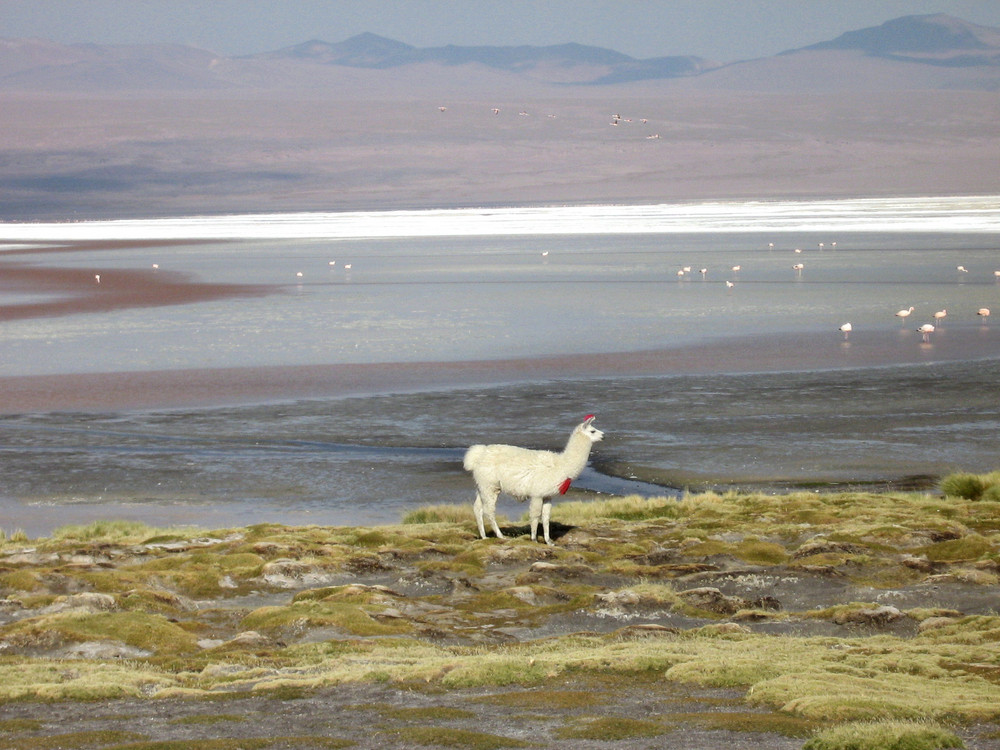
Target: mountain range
column 913, row 52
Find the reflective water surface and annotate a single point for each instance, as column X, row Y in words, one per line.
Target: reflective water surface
column 929, row 408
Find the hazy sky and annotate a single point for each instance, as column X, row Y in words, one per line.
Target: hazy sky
column 723, row 30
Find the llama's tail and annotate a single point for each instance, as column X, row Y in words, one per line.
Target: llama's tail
column 473, row 456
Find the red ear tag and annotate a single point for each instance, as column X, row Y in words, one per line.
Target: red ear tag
column 565, row 486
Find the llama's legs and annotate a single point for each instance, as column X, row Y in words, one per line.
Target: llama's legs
column 534, row 514
column 546, row 514
column 490, row 507
column 477, row 508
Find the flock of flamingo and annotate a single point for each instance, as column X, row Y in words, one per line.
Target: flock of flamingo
column 926, row 329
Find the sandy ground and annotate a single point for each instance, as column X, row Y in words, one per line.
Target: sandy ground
column 71, row 157
column 209, row 387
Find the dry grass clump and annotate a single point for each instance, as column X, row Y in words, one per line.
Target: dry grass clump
column 352, row 610
column 461, row 738
column 612, row 729
column 440, row 514
column 123, row 532
column 972, row 486
column 18, row 536
column 888, row 735
column 629, row 508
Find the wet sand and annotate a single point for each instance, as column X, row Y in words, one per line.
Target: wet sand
column 75, row 290
column 222, row 386
column 93, row 289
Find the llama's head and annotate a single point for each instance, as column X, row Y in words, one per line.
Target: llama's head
column 589, row 430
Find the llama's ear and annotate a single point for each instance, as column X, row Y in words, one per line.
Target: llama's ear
column 588, row 419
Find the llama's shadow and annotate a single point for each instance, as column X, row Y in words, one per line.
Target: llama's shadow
column 556, row 530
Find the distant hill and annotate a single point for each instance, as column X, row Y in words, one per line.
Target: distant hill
column 935, row 39
column 561, row 63
column 39, row 64
column 909, row 53
column 913, row 52
column 361, row 51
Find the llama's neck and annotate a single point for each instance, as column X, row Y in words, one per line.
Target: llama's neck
column 576, row 452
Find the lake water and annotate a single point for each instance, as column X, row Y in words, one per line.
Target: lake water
column 500, row 284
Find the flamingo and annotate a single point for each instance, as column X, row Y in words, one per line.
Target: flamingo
column 983, row 312
column 798, row 266
column 925, row 331
column 940, row 314
column 961, row 269
column 904, row 314
column 703, row 272
column 729, row 284
column 97, row 278
column 846, row 329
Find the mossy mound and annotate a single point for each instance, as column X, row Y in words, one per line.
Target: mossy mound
column 816, row 609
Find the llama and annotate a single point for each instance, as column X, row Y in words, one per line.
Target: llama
column 527, row 475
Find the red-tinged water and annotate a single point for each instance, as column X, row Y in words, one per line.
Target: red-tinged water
column 222, row 388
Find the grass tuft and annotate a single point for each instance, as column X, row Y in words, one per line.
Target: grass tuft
column 967, row 486
column 443, row 737
column 972, row 486
column 887, row 735
column 612, row 729
column 440, row 514
column 628, row 508
column 131, row 532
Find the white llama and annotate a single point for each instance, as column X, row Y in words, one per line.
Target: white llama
column 527, row 475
